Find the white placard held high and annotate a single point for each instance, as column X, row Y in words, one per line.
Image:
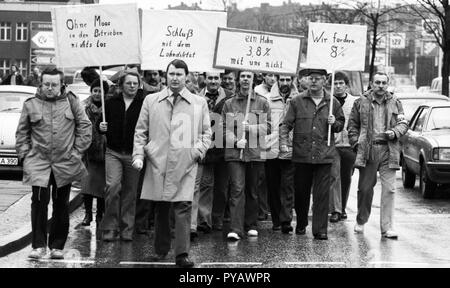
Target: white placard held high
column 96, row 35
column 186, row 35
column 257, row 51
column 336, row 46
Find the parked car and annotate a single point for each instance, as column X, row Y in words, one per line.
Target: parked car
column 405, row 89
column 436, row 85
column 426, row 148
column 79, row 88
column 424, row 89
column 410, row 101
column 11, row 102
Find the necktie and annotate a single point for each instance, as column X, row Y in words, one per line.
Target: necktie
column 175, row 97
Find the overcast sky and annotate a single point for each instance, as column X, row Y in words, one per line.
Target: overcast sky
column 208, row 4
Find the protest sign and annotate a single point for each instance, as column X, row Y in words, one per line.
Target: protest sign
column 96, row 35
column 257, row 51
column 336, row 46
column 186, row 35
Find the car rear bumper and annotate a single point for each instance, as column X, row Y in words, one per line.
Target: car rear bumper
column 439, row 172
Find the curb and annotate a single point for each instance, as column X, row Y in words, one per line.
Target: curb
column 22, row 237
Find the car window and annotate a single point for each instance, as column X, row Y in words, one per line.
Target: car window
column 421, row 120
column 12, row 101
column 439, row 119
column 410, row 105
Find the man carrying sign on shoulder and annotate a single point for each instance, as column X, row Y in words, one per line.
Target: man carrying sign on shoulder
column 244, row 154
column 308, row 114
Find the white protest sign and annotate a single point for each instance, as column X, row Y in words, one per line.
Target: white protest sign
column 186, row 35
column 257, row 51
column 96, row 35
column 336, row 46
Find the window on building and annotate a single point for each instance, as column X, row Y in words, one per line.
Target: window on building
column 4, row 67
column 23, row 67
column 5, row 31
column 22, row 31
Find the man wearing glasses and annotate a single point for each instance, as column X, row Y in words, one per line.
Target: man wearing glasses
column 375, row 126
column 51, row 137
column 309, row 115
column 121, row 113
column 342, row 169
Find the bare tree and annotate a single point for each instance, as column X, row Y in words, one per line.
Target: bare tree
column 436, row 17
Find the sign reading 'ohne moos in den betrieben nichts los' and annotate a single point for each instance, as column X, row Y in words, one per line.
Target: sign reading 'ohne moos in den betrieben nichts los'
column 96, row 35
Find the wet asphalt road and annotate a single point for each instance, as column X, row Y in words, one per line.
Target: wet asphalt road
column 423, row 227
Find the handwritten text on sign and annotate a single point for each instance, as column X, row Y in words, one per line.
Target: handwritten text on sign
column 257, row 51
column 186, row 35
column 91, row 35
column 336, row 46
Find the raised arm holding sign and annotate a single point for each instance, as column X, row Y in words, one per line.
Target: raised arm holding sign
column 336, row 47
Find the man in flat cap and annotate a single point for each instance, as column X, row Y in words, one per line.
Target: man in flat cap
column 308, row 114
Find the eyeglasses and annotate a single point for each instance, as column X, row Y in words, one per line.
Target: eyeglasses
column 378, row 82
column 285, row 80
column 52, row 85
column 315, row 78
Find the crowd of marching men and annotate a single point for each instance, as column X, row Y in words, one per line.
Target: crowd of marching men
column 275, row 148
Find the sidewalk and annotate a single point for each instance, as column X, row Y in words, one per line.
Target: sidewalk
column 15, row 219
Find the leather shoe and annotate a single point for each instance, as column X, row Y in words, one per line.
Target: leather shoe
column 159, row 257
column 300, row 231
column 335, row 217
column 193, row 235
column 184, row 262
column 286, row 228
column 343, row 216
column 321, row 236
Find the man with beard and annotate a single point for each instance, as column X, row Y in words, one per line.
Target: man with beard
column 152, row 81
column 279, row 168
column 211, row 185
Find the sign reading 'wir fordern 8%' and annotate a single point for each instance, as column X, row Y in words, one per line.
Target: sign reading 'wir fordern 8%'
column 257, row 51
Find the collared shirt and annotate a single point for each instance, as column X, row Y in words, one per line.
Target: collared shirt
column 379, row 118
column 180, row 93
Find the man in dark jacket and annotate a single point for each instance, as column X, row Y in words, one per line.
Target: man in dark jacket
column 308, row 114
column 212, row 176
column 376, row 123
column 121, row 113
column 243, row 154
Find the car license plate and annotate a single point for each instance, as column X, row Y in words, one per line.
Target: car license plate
column 9, row 161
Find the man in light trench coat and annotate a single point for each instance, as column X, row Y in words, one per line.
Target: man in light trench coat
column 172, row 134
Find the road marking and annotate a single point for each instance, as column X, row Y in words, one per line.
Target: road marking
column 314, row 263
column 398, row 263
column 65, row 261
column 232, row 263
column 146, row 263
